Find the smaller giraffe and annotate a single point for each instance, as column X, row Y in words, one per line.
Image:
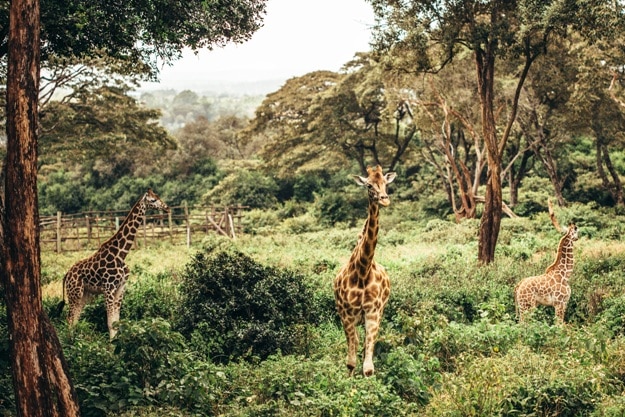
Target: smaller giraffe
column 552, row 288
column 105, row 272
column 362, row 287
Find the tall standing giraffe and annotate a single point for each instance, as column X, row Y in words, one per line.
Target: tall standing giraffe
column 552, row 288
column 105, row 272
column 362, row 287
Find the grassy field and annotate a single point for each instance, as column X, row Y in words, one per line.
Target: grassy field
column 450, row 344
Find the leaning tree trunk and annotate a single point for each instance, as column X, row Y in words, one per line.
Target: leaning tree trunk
column 615, row 188
column 491, row 217
column 40, row 375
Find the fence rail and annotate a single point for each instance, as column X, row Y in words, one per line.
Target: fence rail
column 88, row 230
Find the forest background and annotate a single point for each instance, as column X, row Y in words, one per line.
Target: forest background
column 451, row 343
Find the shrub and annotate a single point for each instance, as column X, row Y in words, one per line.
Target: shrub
column 409, row 377
column 247, row 188
column 151, row 296
column 61, row 192
column 544, row 397
column 166, row 370
column 234, row 307
column 334, row 208
column 103, row 383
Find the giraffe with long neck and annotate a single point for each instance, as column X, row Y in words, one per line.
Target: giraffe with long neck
column 552, row 288
column 362, row 287
column 105, row 272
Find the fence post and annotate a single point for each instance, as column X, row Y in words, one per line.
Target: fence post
column 88, row 224
column 171, row 231
column 58, row 231
column 186, row 218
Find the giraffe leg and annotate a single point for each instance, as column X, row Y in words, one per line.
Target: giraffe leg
column 113, row 306
column 560, row 309
column 75, row 308
column 372, row 326
column 76, row 299
column 351, row 334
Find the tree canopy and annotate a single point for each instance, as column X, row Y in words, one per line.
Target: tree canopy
column 139, row 30
column 426, row 35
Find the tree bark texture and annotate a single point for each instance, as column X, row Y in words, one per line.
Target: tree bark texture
column 491, row 217
column 40, row 375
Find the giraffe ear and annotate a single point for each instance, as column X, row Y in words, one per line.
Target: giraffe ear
column 389, row 177
column 360, row 180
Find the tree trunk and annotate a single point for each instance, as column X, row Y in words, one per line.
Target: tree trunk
column 552, row 171
column 491, row 217
column 615, row 188
column 40, row 375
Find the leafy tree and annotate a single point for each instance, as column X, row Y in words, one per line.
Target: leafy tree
column 362, row 117
column 40, row 374
column 282, row 122
column 428, row 34
column 139, row 31
column 245, row 187
column 596, row 94
column 202, row 139
column 104, row 124
column 334, row 118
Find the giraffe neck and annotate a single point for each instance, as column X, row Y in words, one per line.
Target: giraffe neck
column 121, row 242
column 365, row 249
column 563, row 265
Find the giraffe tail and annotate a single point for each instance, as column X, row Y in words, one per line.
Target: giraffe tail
column 516, row 303
column 56, row 311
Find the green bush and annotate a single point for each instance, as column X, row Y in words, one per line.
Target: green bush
column 409, row 376
column 613, row 315
column 298, row 386
column 234, row 307
column 103, row 383
column 544, row 397
column 166, row 370
column 61, row 192
column 150, row 297
column 334, row 208
column 247, row 188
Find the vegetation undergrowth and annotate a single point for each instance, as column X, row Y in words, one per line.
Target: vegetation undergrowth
column 247, row 327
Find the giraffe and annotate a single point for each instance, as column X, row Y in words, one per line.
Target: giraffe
column 552, row 288
column 362, row 287
column 105, row 272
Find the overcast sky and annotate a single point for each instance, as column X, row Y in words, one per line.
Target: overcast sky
column 297, row 37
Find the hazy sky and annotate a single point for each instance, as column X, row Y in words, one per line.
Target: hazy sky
column 297, row 37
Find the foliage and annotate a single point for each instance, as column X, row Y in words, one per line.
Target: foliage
column 247, row 188
column 449, row 345
column 106, row 124
column 139, row 30
column 233, row 307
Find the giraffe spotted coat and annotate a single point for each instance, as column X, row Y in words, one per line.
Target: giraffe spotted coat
column 552, row 288
column 362, row 287
column 105, row 272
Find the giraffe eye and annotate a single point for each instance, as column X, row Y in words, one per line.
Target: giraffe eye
column 369, row 186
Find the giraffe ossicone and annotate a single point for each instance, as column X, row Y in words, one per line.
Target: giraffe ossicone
column 552, row 288
column 105, row 272
column 362, row 287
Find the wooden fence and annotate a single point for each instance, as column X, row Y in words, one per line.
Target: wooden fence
column 88, row 230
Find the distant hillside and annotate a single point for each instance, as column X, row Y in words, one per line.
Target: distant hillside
column 180, row 107
column 213, row 87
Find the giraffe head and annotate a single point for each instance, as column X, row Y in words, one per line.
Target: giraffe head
column 572, row 231
column 376, row 184
column 152, row 201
